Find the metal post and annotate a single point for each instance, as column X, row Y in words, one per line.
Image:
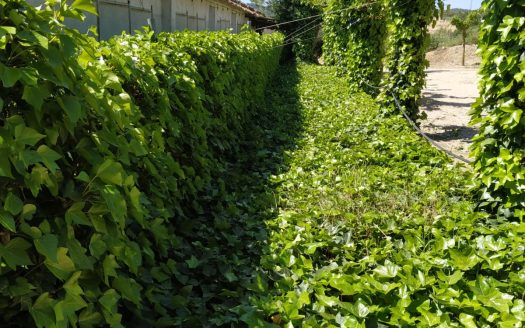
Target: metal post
column 152, row 19
column 187, row 20
column 98, row 20
column 197, row 21
column 129, row 16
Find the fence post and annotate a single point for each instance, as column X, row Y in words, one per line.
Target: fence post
column 129, row 16
column 98, row 20
column 152, row 19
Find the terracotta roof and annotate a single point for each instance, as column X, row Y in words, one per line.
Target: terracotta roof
column 248, row 10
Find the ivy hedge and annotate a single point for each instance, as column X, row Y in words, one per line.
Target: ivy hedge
column 104, row 150
column 354, row 41
column 498, row 148
column 407, row 45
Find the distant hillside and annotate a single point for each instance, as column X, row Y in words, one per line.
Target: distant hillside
column 449, row 13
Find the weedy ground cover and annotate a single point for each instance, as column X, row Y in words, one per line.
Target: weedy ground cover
column 370, row 226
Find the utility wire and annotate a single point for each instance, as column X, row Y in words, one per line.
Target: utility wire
column 291, row 35
column 320, row 15
column 328, row 13
column 294, row 40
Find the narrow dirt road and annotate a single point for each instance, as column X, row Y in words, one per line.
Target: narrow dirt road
column 446, row 100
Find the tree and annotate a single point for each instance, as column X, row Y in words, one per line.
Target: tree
column 463, row 23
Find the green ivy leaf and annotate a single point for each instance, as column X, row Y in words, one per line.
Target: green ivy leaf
column 15, row 253
column 110, row 300
column 27, row 136
column 89, row 318
column 388, row 270
column 42, row 311
column 85, row 5
column 9, row 75
column 193, row 262
column 13, row 204
column 63, row 267
column 7, row 30
column 35, row 96
column 111, row 172
column 47, row 245
column 65, row 309
column 76, row 215
column 467, row 320
column 27, row 211
column 72, row 108
column 128, row 288
column 5, row 165
column 78, row 255
column 83, row 176
column 116, row 204
column 7, row 221
column 110, row 265
column 49, row 157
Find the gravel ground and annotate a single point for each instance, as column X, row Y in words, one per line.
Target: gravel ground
column 447, row 99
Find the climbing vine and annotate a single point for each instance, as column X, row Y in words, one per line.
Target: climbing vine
column 407, row 43
column 498, row 148
column 335, row 35
column 300, row 30
column 354, row 41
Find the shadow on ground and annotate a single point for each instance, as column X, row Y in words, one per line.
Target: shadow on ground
column 453, row 132
column 431, row 101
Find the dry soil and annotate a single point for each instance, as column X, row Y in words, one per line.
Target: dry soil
column 446, row 101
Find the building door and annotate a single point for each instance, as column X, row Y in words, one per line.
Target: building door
column 211, row 19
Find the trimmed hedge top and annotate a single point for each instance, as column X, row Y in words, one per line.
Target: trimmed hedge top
column 103, row 149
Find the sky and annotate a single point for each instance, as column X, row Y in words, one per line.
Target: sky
column 465, row 4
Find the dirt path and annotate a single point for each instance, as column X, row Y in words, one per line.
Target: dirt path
column 447, row 99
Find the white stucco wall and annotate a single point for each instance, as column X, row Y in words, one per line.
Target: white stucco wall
column 184, row 11
column 162, row 15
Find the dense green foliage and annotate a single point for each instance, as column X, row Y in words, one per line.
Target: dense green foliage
column 301, row 32
column 499, row 148
column 408, row 41
column 369, row 225
column 353, row 40
column 336, row 23
column 112, row 161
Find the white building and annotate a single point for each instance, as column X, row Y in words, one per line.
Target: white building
column 116, row 16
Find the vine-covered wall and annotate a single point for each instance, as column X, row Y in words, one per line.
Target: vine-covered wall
column 499, row 148
column 354, row 35
column 300, row 21
column 407, row 45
